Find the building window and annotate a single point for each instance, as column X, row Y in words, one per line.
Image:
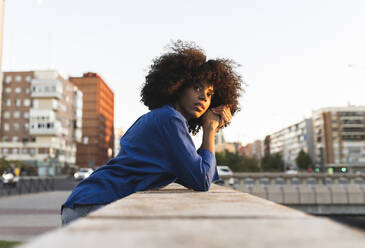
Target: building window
column 8, row 102
column 15, row 151
column 5, row 138
column 27, row 90
column 32, row 151
column 24, row 151
column 50, row 125
column 18, row 90
column 16, row 114
column 18, row 78
column 6, row 127
column 5, row 151
column 17, row 102
column 28, row 79
column 7, row 90
column 6, row 115
column 15, row 139
column 26, row 126
column 16, row 126
column 8, row 79
column 26, row 102
column 26, row 115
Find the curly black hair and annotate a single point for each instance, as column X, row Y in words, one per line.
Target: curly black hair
column 183, row 65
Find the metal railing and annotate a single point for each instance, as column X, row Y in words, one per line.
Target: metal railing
column 314, row 193
column 26, row 185
column 296, row 179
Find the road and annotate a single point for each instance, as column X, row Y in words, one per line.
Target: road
column 23, row 217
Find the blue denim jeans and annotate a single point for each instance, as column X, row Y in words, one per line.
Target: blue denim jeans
column 70, row 214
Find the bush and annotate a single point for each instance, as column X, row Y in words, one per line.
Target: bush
column 272, row 163
column 236, row 162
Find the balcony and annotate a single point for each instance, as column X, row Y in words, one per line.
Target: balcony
column 47, row 88
column 41, row 115
column 46, row 128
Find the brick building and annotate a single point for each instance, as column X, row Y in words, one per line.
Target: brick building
column 97, row 144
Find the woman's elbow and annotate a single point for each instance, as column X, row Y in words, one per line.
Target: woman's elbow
column 203, row 187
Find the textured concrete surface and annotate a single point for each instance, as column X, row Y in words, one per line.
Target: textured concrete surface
column 177, row 217
column 24, row 217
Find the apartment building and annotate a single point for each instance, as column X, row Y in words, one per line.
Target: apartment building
column 41, row 120
column 254, row 150
column 221, row 145
column 98, row 121
column 290, row 140
column 339, row 134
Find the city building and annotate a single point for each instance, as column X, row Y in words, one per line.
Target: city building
column 97, row 144
column 219, row 137
column 118, row 133
column 339, row 134
column 248, row 150
column 255, row 150
column 291, row 140
column 41, row 120
column 221, row 145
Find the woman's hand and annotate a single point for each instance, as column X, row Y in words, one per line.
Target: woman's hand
column 210, row 120
column 216, row 117
column 224, row 112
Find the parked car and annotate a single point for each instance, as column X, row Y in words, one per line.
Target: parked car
column 225, row 171
column 83, row 173
column 291, row 172
column 8, row 178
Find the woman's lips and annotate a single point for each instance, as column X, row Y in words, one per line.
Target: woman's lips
column 199, row 107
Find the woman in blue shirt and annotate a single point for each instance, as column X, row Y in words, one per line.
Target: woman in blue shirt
column 184, row 92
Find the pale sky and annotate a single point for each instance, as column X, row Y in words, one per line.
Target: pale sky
column 295, row 54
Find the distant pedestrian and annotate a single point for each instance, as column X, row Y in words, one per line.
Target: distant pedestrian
column 185, row 92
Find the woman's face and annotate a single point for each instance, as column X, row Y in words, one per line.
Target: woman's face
column 195, row 100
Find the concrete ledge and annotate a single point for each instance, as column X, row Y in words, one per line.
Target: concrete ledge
column 177, row 217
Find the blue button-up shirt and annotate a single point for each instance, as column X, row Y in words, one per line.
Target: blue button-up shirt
column 155, row 151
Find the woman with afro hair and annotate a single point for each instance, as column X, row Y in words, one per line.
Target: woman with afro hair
column 185, row 92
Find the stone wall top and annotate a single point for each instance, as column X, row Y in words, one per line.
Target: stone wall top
column 177, row 217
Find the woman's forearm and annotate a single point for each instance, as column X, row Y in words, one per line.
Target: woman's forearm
column 208, row 139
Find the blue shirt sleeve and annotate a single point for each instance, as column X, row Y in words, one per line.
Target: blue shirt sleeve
column 194, row 170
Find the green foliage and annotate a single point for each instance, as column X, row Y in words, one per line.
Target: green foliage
column 272, row 163
column 4, row 165
column 10, row 164
column 303, row 160
column 8, row 244
column 236, row 162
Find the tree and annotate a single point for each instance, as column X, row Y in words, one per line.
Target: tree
column 11, row 164
column 303, row 160
column 236, row 162
column 272, row 163
column 4, row 165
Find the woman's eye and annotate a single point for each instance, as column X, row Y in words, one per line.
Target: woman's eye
column 197, row 88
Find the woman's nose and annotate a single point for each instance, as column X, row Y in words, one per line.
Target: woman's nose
column 203, row 96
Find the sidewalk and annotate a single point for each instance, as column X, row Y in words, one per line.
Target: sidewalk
column 23, row 217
